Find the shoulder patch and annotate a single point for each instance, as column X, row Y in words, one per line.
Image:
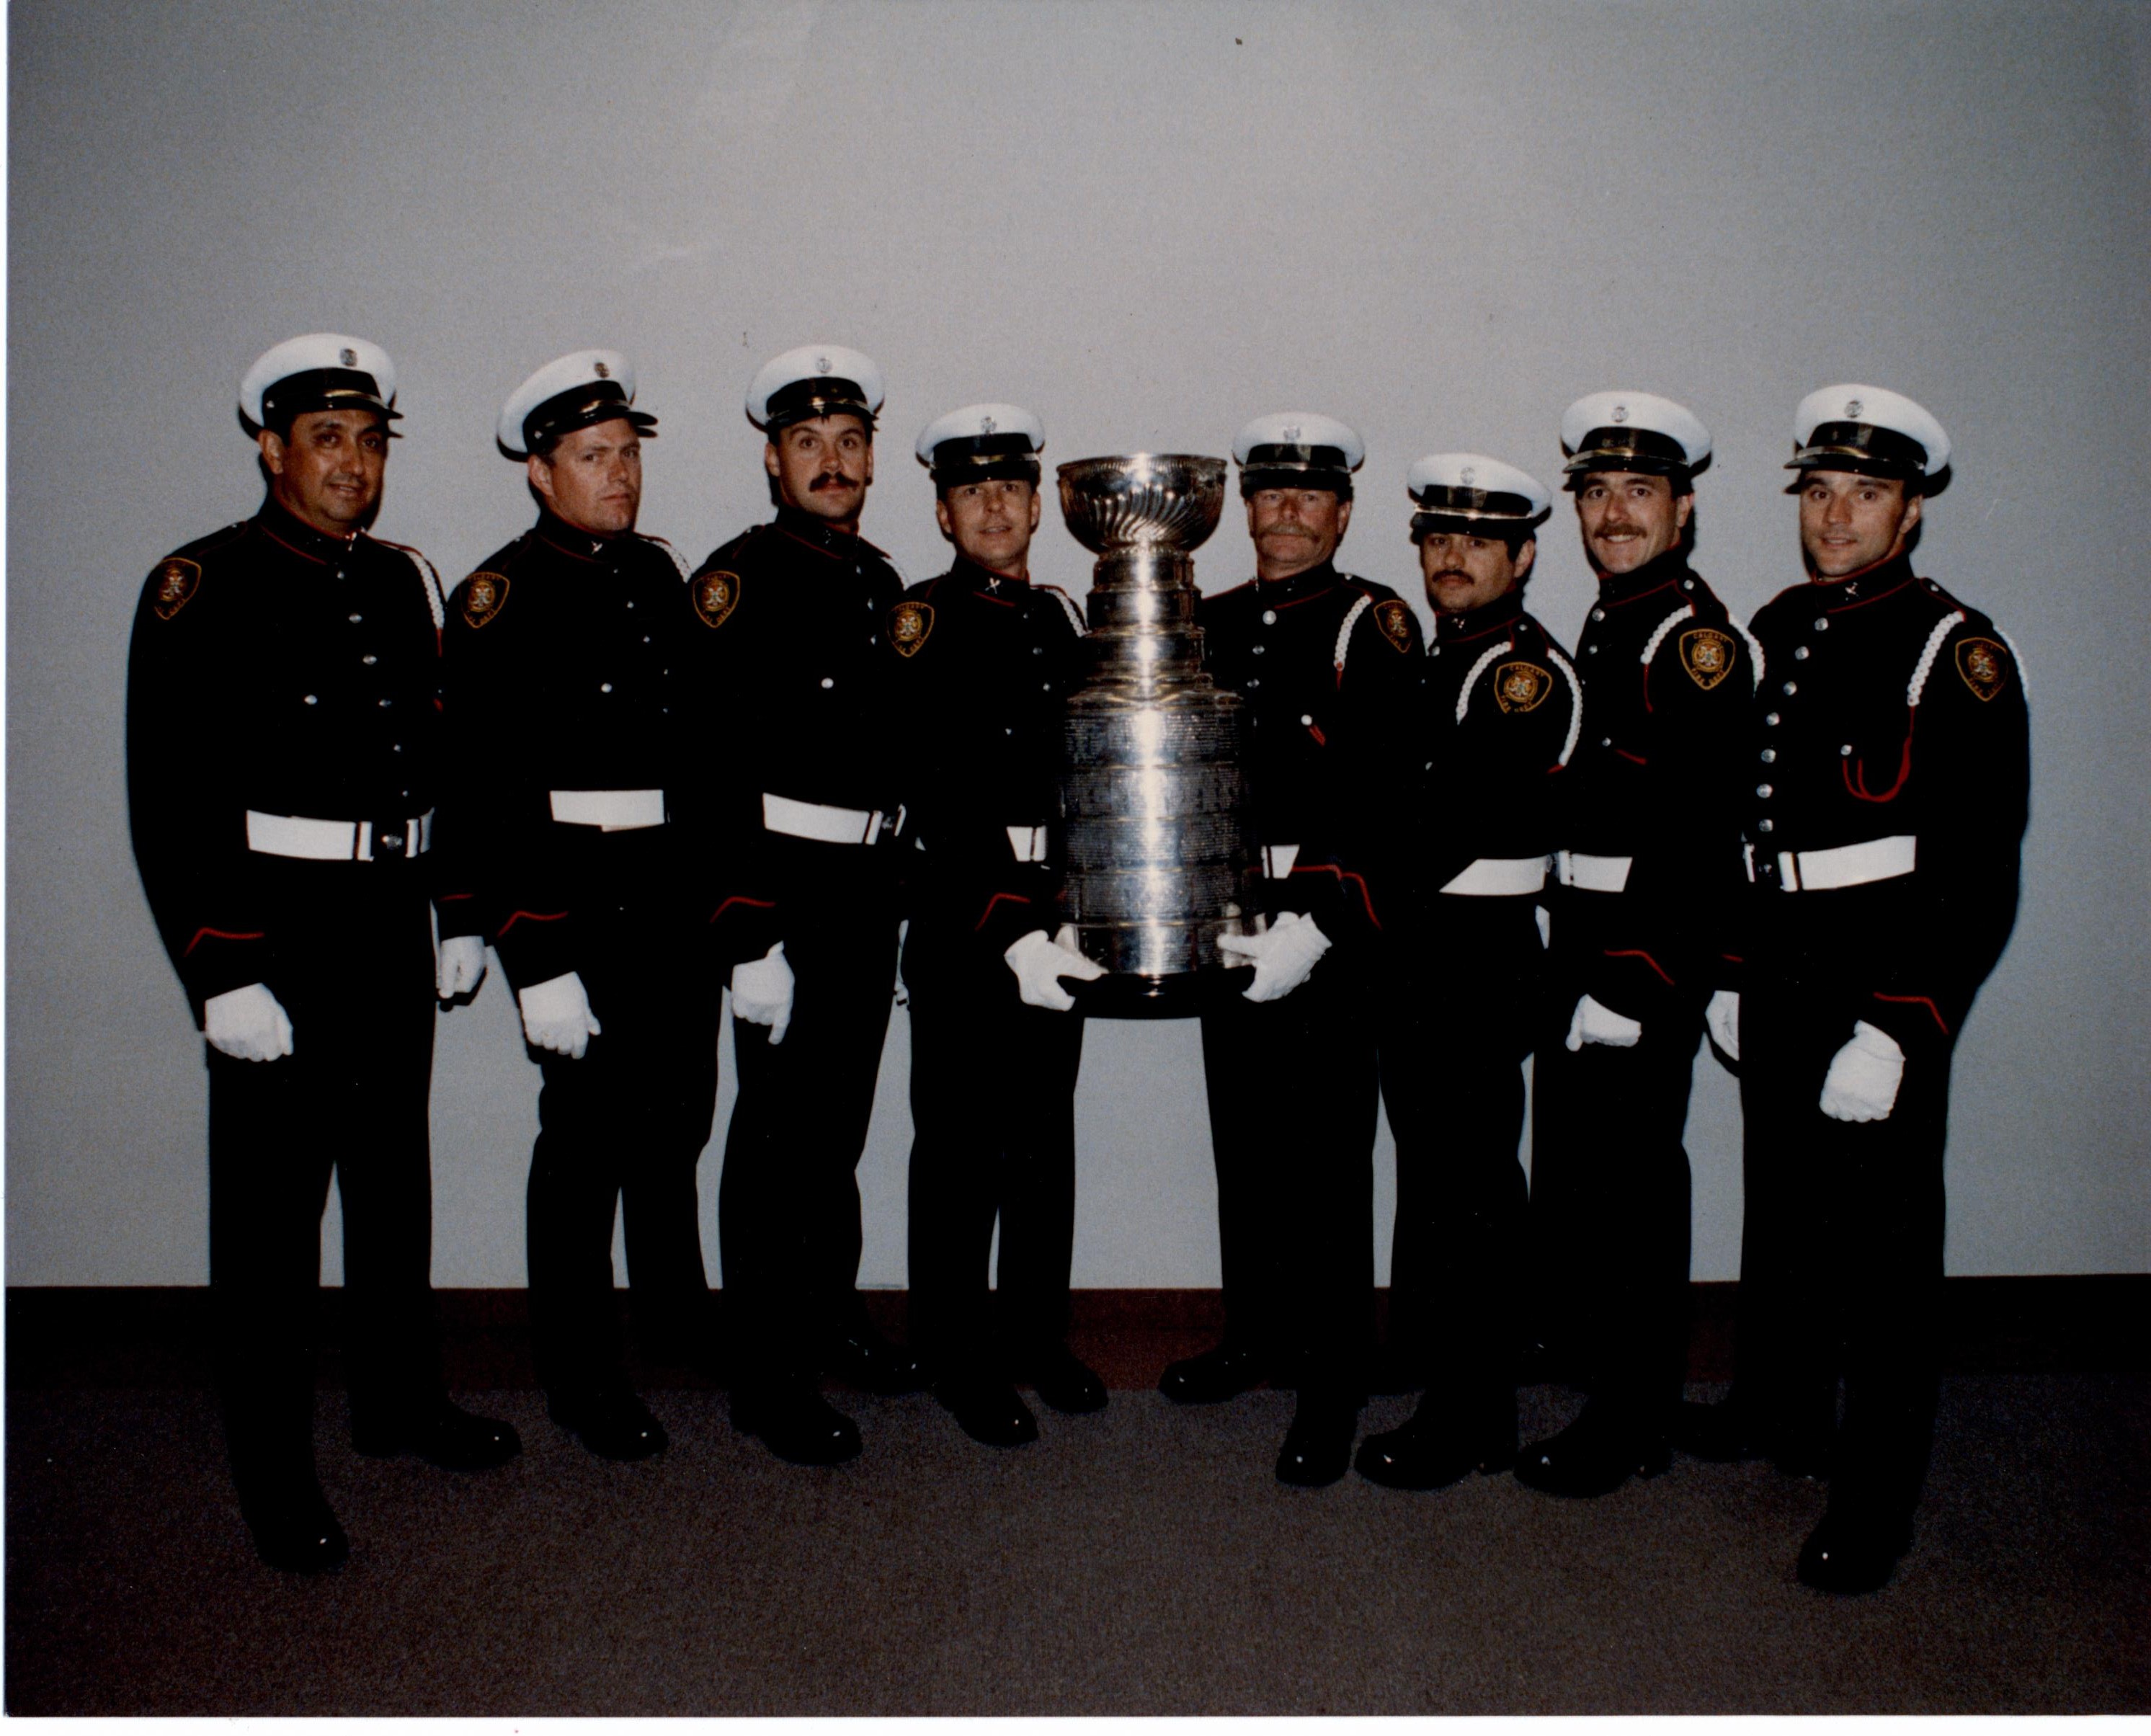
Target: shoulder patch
column 1984, row 665
column 1707, row 655
column 1394, row 618
column 717, row 594
column 484, row 596
column 908, row 625
column 1521, row 686
column 176, row 582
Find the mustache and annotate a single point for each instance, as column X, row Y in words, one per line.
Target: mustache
column 1451, row 573
column 831, row 480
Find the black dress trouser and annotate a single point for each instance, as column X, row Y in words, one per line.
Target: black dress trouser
column 992, row 1105
column 624, row 1128
column 1292, row 1086
column 354, row 972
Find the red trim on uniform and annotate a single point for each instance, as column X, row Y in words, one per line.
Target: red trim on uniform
column 1732, row 958
column 998, row 602
column 202, row 935
column 1647, row 960
column 1637, row 758
column 1917, row 1000
column 737, row 898
column 1012, row 898
column 1295, row 602
column 293, row 547
column 1343, row 874
column 1911, row 578
column 534, row 916
column 828, row 554
column 451, row 898
column 1315, row 731
column 1623, row 602
column 1859, row 789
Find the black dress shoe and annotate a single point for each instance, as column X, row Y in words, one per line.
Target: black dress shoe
column 1317, row 1447
column 1729, row 1433
column 796, row 1423
column 1439, row 1447
column 445, row 1434
column 610, row 1420
column 862, row 1358
column 1593, row 1455
column 294, row 1530
column 1212, row 1376
column 1851, row 1553
column 987, row 1411
column 1063, row 1380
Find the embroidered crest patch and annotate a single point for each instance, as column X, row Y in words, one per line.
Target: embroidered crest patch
column 1521, row 686
column 177, row 581
column 484, row 595
column 1984, row 665
column 1707, row 655
column 908, row 625
column 1394, row 618
column 717, row 594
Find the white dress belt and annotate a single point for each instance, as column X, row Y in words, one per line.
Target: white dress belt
column 338, row 840
column 824, row 824
column 1277, row 860
column 608, row 810
column 1593, row 873
column 1881, row 858
column 1028, row 842
column 1499, row 877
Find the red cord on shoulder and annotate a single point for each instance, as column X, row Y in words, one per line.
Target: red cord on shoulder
column 202, row 935
column 1918, row 1000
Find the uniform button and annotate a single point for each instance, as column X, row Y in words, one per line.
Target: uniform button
column 604, row 686
column 339, row 572
column 828, row 681
column 1789, row 689
column 1045, row 686
column 1428, row 767
column 630, row 602
column 355, row 618
column 1763, row 790
column 311, row 701
column 1434, row 650
column 1590, row 650
column 1800, row 654
column 1307, row 719
column 1598, row 614
column 369, row 660
column 646, row 639
column 1764, row 826
column 1037, row 650
column 1772, row 720
column 1845, row 751
column 1606, row 740
column 1270, row 617
column 1008, row 732
column 1258, row 650
column 1822, row 624
column 1688, row 584
column 385, row 703
column 1254, row 681
column 396, row 747
column 1769, row 756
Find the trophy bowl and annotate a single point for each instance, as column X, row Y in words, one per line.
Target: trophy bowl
column 1169, row 502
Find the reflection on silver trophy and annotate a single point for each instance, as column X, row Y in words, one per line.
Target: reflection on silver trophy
column 1155, row 830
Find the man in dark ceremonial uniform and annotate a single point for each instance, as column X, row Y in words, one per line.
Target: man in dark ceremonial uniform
column 794, row 752
column 983, row 659
column 1320, row 657
column 1460, row 827
column 283, row 761
column 565, row 654
column 1650, row 856
column 1886, row 783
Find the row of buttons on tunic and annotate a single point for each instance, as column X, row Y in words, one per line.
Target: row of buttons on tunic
column 1771, row 721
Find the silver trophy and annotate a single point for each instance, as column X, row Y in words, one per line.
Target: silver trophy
column 1155, row 837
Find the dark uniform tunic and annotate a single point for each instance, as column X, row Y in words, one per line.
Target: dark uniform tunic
column 1293, row 1083
column 794, row 702
column 565, row 663
column 1456, row 842
column 279, row 672
column 1888, row 712
column 1649, row 804
column 982, row 666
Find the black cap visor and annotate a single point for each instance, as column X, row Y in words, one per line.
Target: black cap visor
column 584, row 406
column 812, row 399
column 1862, row 449
column 1643, row 451
column 322, row 388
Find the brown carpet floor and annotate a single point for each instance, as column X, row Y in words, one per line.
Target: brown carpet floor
column 1140, row 1562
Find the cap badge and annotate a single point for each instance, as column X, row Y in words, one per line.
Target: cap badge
column 600, row 370
column 1291, row 436
column 717, row 594
column 1468, row 475
column 1852, row 409
column 1707, row 655
column 822, row 364
column 986, row 424
column 1521, row 686
column 483, row 595
column 1620, row 412
column 177, row 581
column 348, row 357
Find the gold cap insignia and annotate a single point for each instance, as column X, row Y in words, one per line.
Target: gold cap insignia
column 1984, row 665
column 600, row 370
column 1394, row 618
column 1707, row 655
column 908, row 625
column 1521, row 686
column 177, row 581
column 484, row 595
column 717, row 594
column 349, row 357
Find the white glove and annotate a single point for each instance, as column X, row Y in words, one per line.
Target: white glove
column 1595, row 1023
column 1864, row 1076
column 1722, row 1016
column 1284, row 957
column 247, row 1024
column 1040, row 962
column 557, row 1015
column 762, row 992
column 462, row 967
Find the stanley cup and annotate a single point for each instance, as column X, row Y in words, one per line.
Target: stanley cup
column 1155, row 833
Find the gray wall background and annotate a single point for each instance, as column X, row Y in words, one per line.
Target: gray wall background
column 1151, row 223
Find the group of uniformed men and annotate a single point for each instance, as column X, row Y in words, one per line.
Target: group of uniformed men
column 640, row 785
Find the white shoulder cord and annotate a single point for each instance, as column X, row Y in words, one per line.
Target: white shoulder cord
column 427, row 577
column 1575, row 702
column 1351, row 621
column 2023, row 680
column 1666, row 626
column 1075, row 614
column 1754, row 649
column 1943, row 628
column 1478, row 669
column 677, row 561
